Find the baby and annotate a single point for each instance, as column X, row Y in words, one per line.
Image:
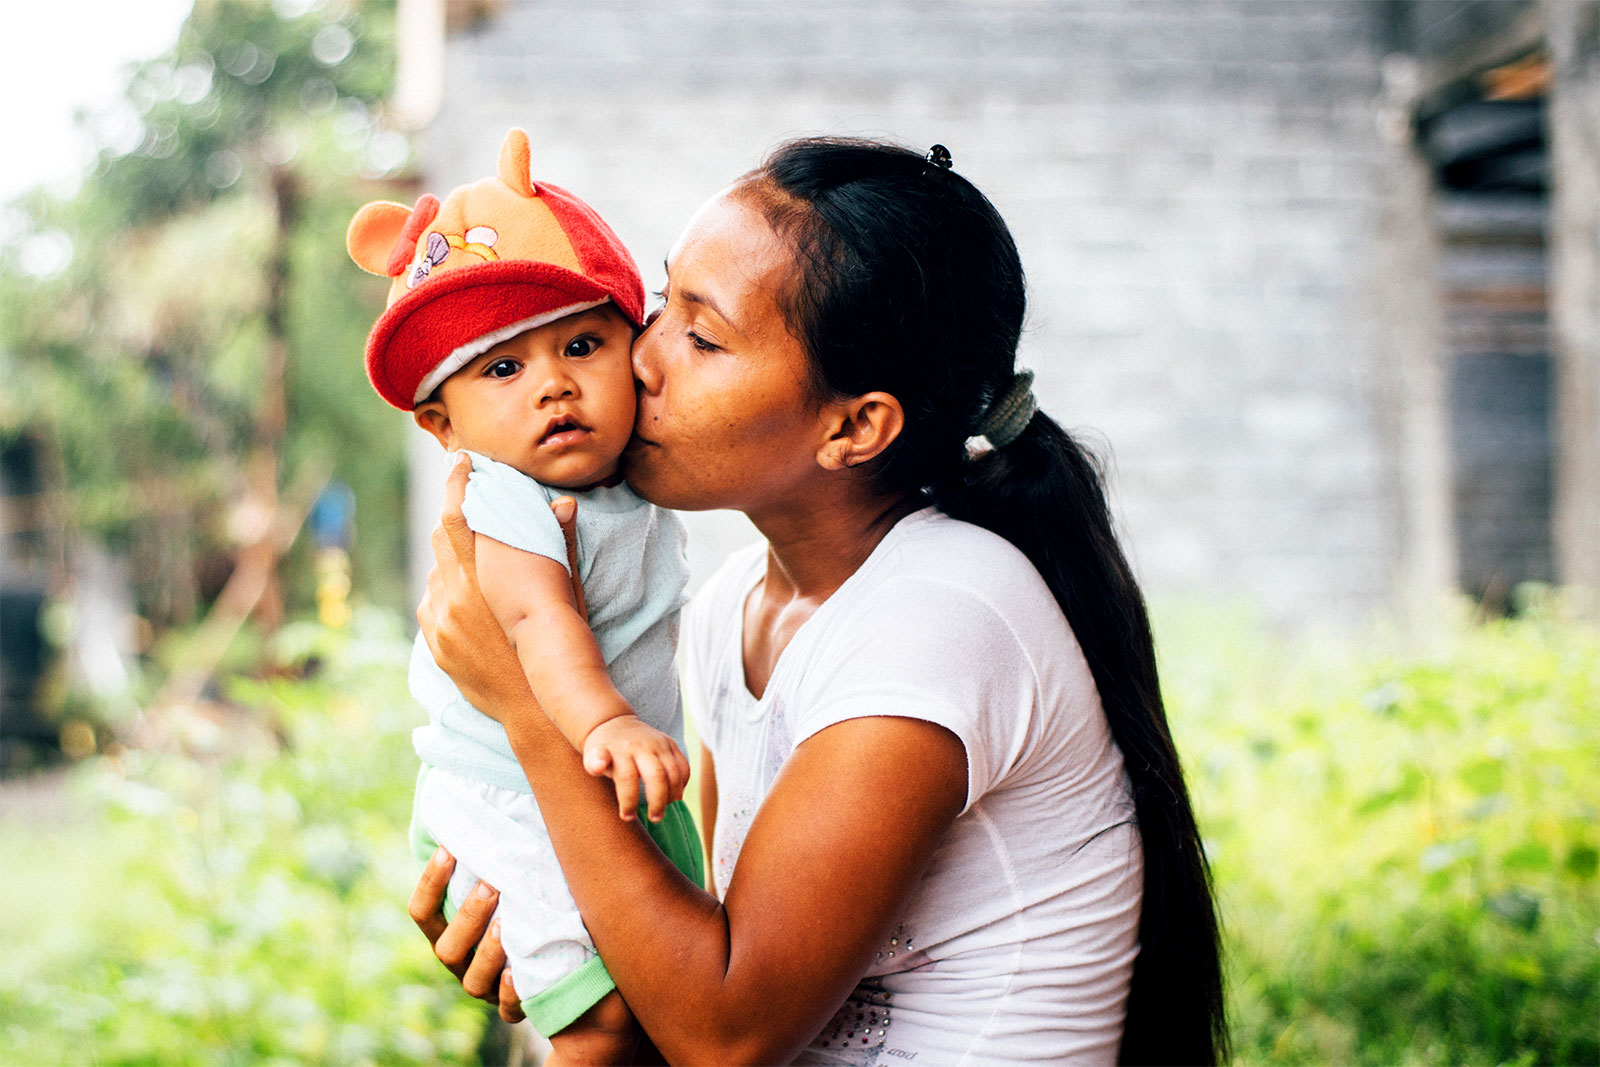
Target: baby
column 508, row 336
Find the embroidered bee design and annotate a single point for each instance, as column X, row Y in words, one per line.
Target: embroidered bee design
column 480, row 241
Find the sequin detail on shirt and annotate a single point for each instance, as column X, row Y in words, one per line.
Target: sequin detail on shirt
column 862, row 1024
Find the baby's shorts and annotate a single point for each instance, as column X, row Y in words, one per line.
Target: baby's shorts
column 497, row 835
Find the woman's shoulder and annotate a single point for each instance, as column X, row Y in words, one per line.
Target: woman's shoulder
column 937, row 595
column 949, row 560
column 949, row 623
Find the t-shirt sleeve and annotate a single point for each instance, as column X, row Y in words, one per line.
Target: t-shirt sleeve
column 925, row 649
column 503, row 503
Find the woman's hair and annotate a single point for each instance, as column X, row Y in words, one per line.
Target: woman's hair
column 910, row 283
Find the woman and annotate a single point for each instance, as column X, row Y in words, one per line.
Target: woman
column 949, row 821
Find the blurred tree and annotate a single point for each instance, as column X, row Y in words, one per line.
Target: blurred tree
column 184, row 332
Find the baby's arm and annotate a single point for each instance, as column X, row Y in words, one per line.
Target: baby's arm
column 531, row 597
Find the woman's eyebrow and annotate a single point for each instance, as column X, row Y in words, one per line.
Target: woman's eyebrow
column 700, row 298
column 703, row 300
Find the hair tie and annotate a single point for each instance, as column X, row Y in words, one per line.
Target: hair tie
column 1010, row 413
column 939, row 156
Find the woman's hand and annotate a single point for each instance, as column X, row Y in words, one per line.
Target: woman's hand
column 469, row 645
column 462, row 633
column 467, row 945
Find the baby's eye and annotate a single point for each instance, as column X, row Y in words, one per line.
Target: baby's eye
column 579, row 347
column 502, row 368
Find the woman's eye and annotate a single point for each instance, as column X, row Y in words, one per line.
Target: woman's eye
column 701, row 343
column 502, row 368
column 579, row 347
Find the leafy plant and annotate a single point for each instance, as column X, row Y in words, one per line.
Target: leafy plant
column 187, row 347
column 241, row 897
column 1404, row 835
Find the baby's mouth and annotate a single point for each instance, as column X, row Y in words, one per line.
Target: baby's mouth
column 563, row 430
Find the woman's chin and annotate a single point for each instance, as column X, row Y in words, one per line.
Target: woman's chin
column 644, row 474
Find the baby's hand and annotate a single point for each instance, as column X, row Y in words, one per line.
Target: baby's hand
column 628, row 750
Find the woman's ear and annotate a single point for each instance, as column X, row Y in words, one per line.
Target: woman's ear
column 432, row 416
column 862, row 427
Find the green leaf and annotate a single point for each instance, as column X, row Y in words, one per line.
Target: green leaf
column 1485, row 776
column 1529, row 856
column 1583, row 861
column 1410, row 787
column 1519, row 908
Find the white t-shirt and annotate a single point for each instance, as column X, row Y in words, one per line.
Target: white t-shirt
column 1018, row 944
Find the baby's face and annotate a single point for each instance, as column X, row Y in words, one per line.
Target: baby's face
column 556, row 402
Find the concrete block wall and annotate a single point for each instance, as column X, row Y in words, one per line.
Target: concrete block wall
column 1195, row 186
column 1574, row 38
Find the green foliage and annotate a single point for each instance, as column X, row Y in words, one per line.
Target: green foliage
column 1404, row 836
column 244, row 902
column 206, row 246
column 1403, row 831
column 245, row 90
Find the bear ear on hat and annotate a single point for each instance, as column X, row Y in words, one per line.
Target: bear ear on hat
column 515, row 162
column 383, row 234
column 372, row 235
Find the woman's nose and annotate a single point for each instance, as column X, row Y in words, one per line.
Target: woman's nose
column 646, row 365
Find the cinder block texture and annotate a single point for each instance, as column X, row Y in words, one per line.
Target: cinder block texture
column 1195, row 186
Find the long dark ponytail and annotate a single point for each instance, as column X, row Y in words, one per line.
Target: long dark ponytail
column 910, row 283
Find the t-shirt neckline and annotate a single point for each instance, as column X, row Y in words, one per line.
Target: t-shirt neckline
column 757, row 704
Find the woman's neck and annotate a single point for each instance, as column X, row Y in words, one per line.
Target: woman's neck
column 813, row 550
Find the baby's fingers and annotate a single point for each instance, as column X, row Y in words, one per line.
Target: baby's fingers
column 626, row 778
column 677, row 772
column 597, row 760
column 657, row 787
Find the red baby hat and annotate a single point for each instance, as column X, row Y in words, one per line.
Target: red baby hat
column 497, row 257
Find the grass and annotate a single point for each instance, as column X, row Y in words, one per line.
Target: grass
column 1404, row 833
column 1403, row 829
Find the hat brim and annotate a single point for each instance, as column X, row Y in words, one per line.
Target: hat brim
column 423, row 329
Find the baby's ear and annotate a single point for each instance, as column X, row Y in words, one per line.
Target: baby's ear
column 432, row 416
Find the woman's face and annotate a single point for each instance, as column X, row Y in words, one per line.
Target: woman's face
column 726, row 417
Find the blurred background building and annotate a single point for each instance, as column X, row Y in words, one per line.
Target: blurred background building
column 1320, row 276
column 1320, row 279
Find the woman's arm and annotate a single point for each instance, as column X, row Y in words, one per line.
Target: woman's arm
column 708, row 816
column 823, row 875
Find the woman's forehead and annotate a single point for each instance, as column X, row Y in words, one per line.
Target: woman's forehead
column 729, row 225
column 730, row 259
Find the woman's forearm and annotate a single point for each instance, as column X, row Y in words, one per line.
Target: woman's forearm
column 818, row 888
column 664, row 939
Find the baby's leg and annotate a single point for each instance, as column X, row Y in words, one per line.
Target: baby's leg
column 605, row 1034
column 496, row 834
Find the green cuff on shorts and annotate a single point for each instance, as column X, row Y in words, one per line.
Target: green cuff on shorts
column 554, row 1009
column 675, row 835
